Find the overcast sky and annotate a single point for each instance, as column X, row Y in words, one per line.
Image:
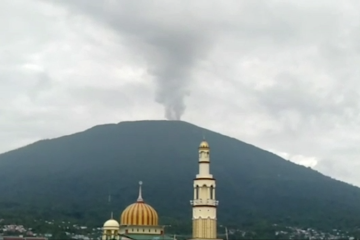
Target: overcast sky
column 283, row 75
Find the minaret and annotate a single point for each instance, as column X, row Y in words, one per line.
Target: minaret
column 204, row 204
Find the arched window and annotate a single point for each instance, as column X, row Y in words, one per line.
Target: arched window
column 197, row 192
column 212, row 192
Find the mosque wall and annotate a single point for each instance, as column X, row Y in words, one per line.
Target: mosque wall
column 158, row 230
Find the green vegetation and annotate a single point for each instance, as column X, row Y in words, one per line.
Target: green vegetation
column 69, row 178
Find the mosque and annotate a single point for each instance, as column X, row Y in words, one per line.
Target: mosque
column 140, row 221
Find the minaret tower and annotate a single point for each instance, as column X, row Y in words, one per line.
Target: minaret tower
column 204, row 204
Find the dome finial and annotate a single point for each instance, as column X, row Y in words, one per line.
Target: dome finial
column 140, row 199
column 112, row 215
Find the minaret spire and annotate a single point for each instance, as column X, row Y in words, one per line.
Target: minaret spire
column 110, row 207
column 140, row 199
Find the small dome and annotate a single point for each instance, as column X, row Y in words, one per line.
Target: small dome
column 111, row 224
column 204, row 144
column 139, row 213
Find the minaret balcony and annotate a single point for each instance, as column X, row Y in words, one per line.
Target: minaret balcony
column 211, row 202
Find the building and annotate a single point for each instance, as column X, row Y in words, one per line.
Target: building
column 204, row 204
column 140, row 221
column 23, row 238
column 111, row 229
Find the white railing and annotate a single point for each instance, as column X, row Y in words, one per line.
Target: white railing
column 204, row 202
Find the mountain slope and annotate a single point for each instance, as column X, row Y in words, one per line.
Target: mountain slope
column 71, row 176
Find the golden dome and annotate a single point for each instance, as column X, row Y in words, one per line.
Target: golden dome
column 139, row 213
column 204, row 144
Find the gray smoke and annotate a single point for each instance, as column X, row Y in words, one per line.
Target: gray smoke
column 177, row 55
column 171, row 52
column 170, row 43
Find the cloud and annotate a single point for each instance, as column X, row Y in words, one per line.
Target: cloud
column 280, row 74
column 171, row 48
column 299, row 159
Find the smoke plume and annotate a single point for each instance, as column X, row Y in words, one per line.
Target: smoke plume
column 176, row 57
column 171, row 43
